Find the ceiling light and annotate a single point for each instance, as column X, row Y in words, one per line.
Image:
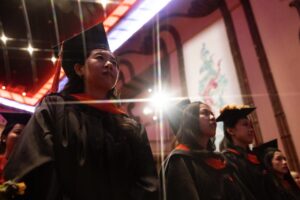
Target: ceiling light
column 4, row 38
column 53, row 59
column 30, row 49
column 147, row 111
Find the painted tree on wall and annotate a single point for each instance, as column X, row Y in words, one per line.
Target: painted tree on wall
column 212, row 82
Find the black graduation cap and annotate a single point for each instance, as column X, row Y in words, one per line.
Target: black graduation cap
column 13, row 118
column 233, row 112
column 264, row 148
column 75, row 49
column 174, row 114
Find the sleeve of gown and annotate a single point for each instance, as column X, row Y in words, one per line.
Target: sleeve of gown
column 179, row 183
column 34, row 147
column 146, row 183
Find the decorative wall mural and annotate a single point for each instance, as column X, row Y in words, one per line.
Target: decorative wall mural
column 212, row 82
column 210, row 72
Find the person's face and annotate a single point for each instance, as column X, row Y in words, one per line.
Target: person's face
column 279, row 163
column 207, row 121
column 101, row 69
column 13, row 136
column 243, row 131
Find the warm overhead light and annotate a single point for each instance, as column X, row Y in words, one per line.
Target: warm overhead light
column 147, row 111
column 53, row 59
column 149, row 90
column 4, row 38
column 154, row 117
column 132, row 22
column 3, row 87
column 160, row 100
column 23, row 94
column 103, row 2
column 30, row 49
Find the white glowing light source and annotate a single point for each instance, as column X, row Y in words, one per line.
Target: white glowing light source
column 149, row 90
column 103, row 2
column 4, row 38
column 23, row 94
column 53, row 59
column 160, row 100
column 15, row 104
column 3, row 87
column 30, row 49
column 132, row 22
column 154, row 117
column 147, row 111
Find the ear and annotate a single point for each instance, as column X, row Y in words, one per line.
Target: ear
column 79, row 69
column 230, row 131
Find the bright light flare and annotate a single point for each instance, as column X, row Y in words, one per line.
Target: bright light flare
column 30, row 49
column 3, row 87
column 160, row 100
column 53, row 59
column 103, row 3
column 154, row 117
column 147, row 111
column 4, row 38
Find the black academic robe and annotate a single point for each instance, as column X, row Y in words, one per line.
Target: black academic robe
column 278, row 191
column 74, row 151
column 249, row 170
column 199, row 175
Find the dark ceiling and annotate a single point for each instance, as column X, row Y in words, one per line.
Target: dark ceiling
column 33, row 22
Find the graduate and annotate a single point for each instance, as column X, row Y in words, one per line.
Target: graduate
column 76, row 147
column 238, row 135
column 281, row 184
column 10, row 134
column 193, row 170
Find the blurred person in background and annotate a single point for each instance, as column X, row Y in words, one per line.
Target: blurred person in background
column 193, row 170
column 238, row 135
column 9, row 136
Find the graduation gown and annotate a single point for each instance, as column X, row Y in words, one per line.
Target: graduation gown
column 249, row 170
column 3, row 162
column 278, row 191
column 74, row 151
column 199, row 175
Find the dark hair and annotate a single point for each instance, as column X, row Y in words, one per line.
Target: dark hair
column 267, row 160
column 75, row 83
column 4, row 135
column 269, row 154
column 227, row 139
column 189, row 130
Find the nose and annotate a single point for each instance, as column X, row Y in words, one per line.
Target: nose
column 108, row 64
column 284, row 162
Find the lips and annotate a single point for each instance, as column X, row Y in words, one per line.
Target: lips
column 213, row 125
column 106, row 72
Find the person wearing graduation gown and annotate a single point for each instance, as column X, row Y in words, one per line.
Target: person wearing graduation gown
column 280, row 182
column 15, row 123
column 193, row 170
column 76, row 147
column 238, row 135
